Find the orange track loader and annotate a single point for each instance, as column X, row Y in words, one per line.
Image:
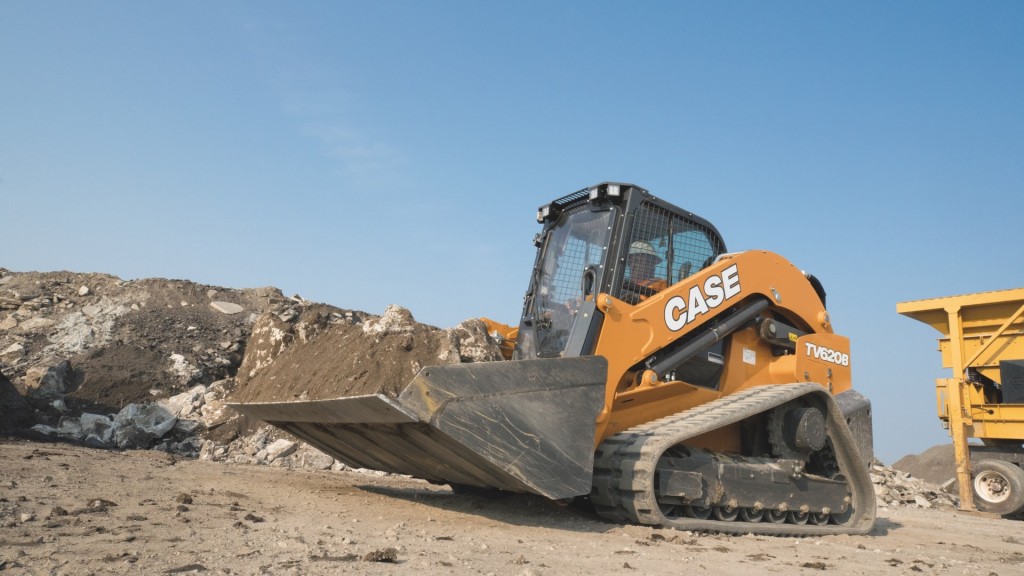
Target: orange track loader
column 666, row 380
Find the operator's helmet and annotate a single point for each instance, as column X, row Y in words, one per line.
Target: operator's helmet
column 641, row 247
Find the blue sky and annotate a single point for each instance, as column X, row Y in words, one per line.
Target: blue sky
column 363, row 154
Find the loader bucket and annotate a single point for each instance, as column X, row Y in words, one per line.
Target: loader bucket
column 521, row 426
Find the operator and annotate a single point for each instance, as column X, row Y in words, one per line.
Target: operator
column 641, row 282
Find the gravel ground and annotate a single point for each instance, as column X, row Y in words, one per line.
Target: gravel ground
column 72, row 510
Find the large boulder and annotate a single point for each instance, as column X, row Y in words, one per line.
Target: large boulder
column 138, row 425
column 97, row 429
column 48, row 379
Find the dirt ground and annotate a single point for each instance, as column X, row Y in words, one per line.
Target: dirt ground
column 72, row 510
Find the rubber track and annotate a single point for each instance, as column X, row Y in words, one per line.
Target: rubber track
column 624, row 464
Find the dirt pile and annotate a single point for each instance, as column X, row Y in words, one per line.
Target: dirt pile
column 94, row 359
column 360, row 355
column 74, row 342
column 935, row 465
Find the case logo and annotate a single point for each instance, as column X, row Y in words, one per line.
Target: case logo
column 703, row 298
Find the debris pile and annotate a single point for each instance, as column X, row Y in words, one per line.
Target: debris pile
column 151, row 363
column 895, row 489
column 99, row 343
column 309, row 361
column 172, row 425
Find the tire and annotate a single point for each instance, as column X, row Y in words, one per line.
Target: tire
column 998, row 486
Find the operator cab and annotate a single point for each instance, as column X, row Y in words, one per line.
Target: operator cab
column 612, row 238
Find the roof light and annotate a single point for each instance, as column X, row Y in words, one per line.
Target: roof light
column 613, row 190
column 543, row 212
column 594, row 193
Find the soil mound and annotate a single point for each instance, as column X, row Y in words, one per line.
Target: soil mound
column 93, row 359
column 358, row 356
column 97, row 342
column 935, row 465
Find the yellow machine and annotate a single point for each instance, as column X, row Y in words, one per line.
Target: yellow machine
column 670, row 382
column 983, row 343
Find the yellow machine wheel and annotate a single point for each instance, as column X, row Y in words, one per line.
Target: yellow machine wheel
column 998, row 486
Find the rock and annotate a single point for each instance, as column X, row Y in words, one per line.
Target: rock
column 155, row 419
column 315, row 459
column 130, row 437
column 56, row 512
column 184, row 404
column 395, row 320
column 83, row 291
column 137, row 425
column 185, row 371
column 215, row 412
column 70, row 427
column 469, row 342
column 102, row 427
column 94, row 441
column 279, row 449
column 25, row 296
column 270, row 336
column 226, row 307
column 35, row 324
column 389, row 555
column 48, row 379
column 91, row 310
column 186, row 427
column 12, row 353
column 9, row 323
column 44, row 430
column 895, row 488
column 74, row 335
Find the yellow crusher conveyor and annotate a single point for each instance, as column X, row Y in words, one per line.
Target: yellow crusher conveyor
column 982, row 342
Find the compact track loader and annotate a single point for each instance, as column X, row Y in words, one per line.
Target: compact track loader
column 670, row 382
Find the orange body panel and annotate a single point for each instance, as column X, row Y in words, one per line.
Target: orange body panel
column 630, row 334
